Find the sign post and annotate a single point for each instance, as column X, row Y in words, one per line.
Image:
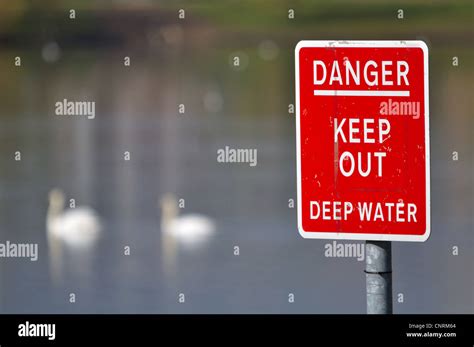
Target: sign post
column 362, row 138
column 378, row 276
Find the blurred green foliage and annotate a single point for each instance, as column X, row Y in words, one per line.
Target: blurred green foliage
column 25, row 17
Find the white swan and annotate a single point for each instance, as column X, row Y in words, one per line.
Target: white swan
column 190, row 231
column 76, row 228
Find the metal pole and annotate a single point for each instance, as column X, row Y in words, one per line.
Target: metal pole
column 378, row 274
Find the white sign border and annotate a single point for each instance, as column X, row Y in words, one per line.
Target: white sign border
column 358, row 236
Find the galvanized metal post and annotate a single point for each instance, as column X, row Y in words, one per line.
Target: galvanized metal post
column 378, row 274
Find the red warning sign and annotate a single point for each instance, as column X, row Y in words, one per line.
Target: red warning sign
column 362, row 132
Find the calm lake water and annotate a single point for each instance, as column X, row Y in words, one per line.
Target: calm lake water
column 137, row 111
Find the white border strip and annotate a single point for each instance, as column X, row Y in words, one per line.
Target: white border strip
column 356, row 236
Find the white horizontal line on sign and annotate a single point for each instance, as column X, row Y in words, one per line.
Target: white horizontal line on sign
column 362, row 92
